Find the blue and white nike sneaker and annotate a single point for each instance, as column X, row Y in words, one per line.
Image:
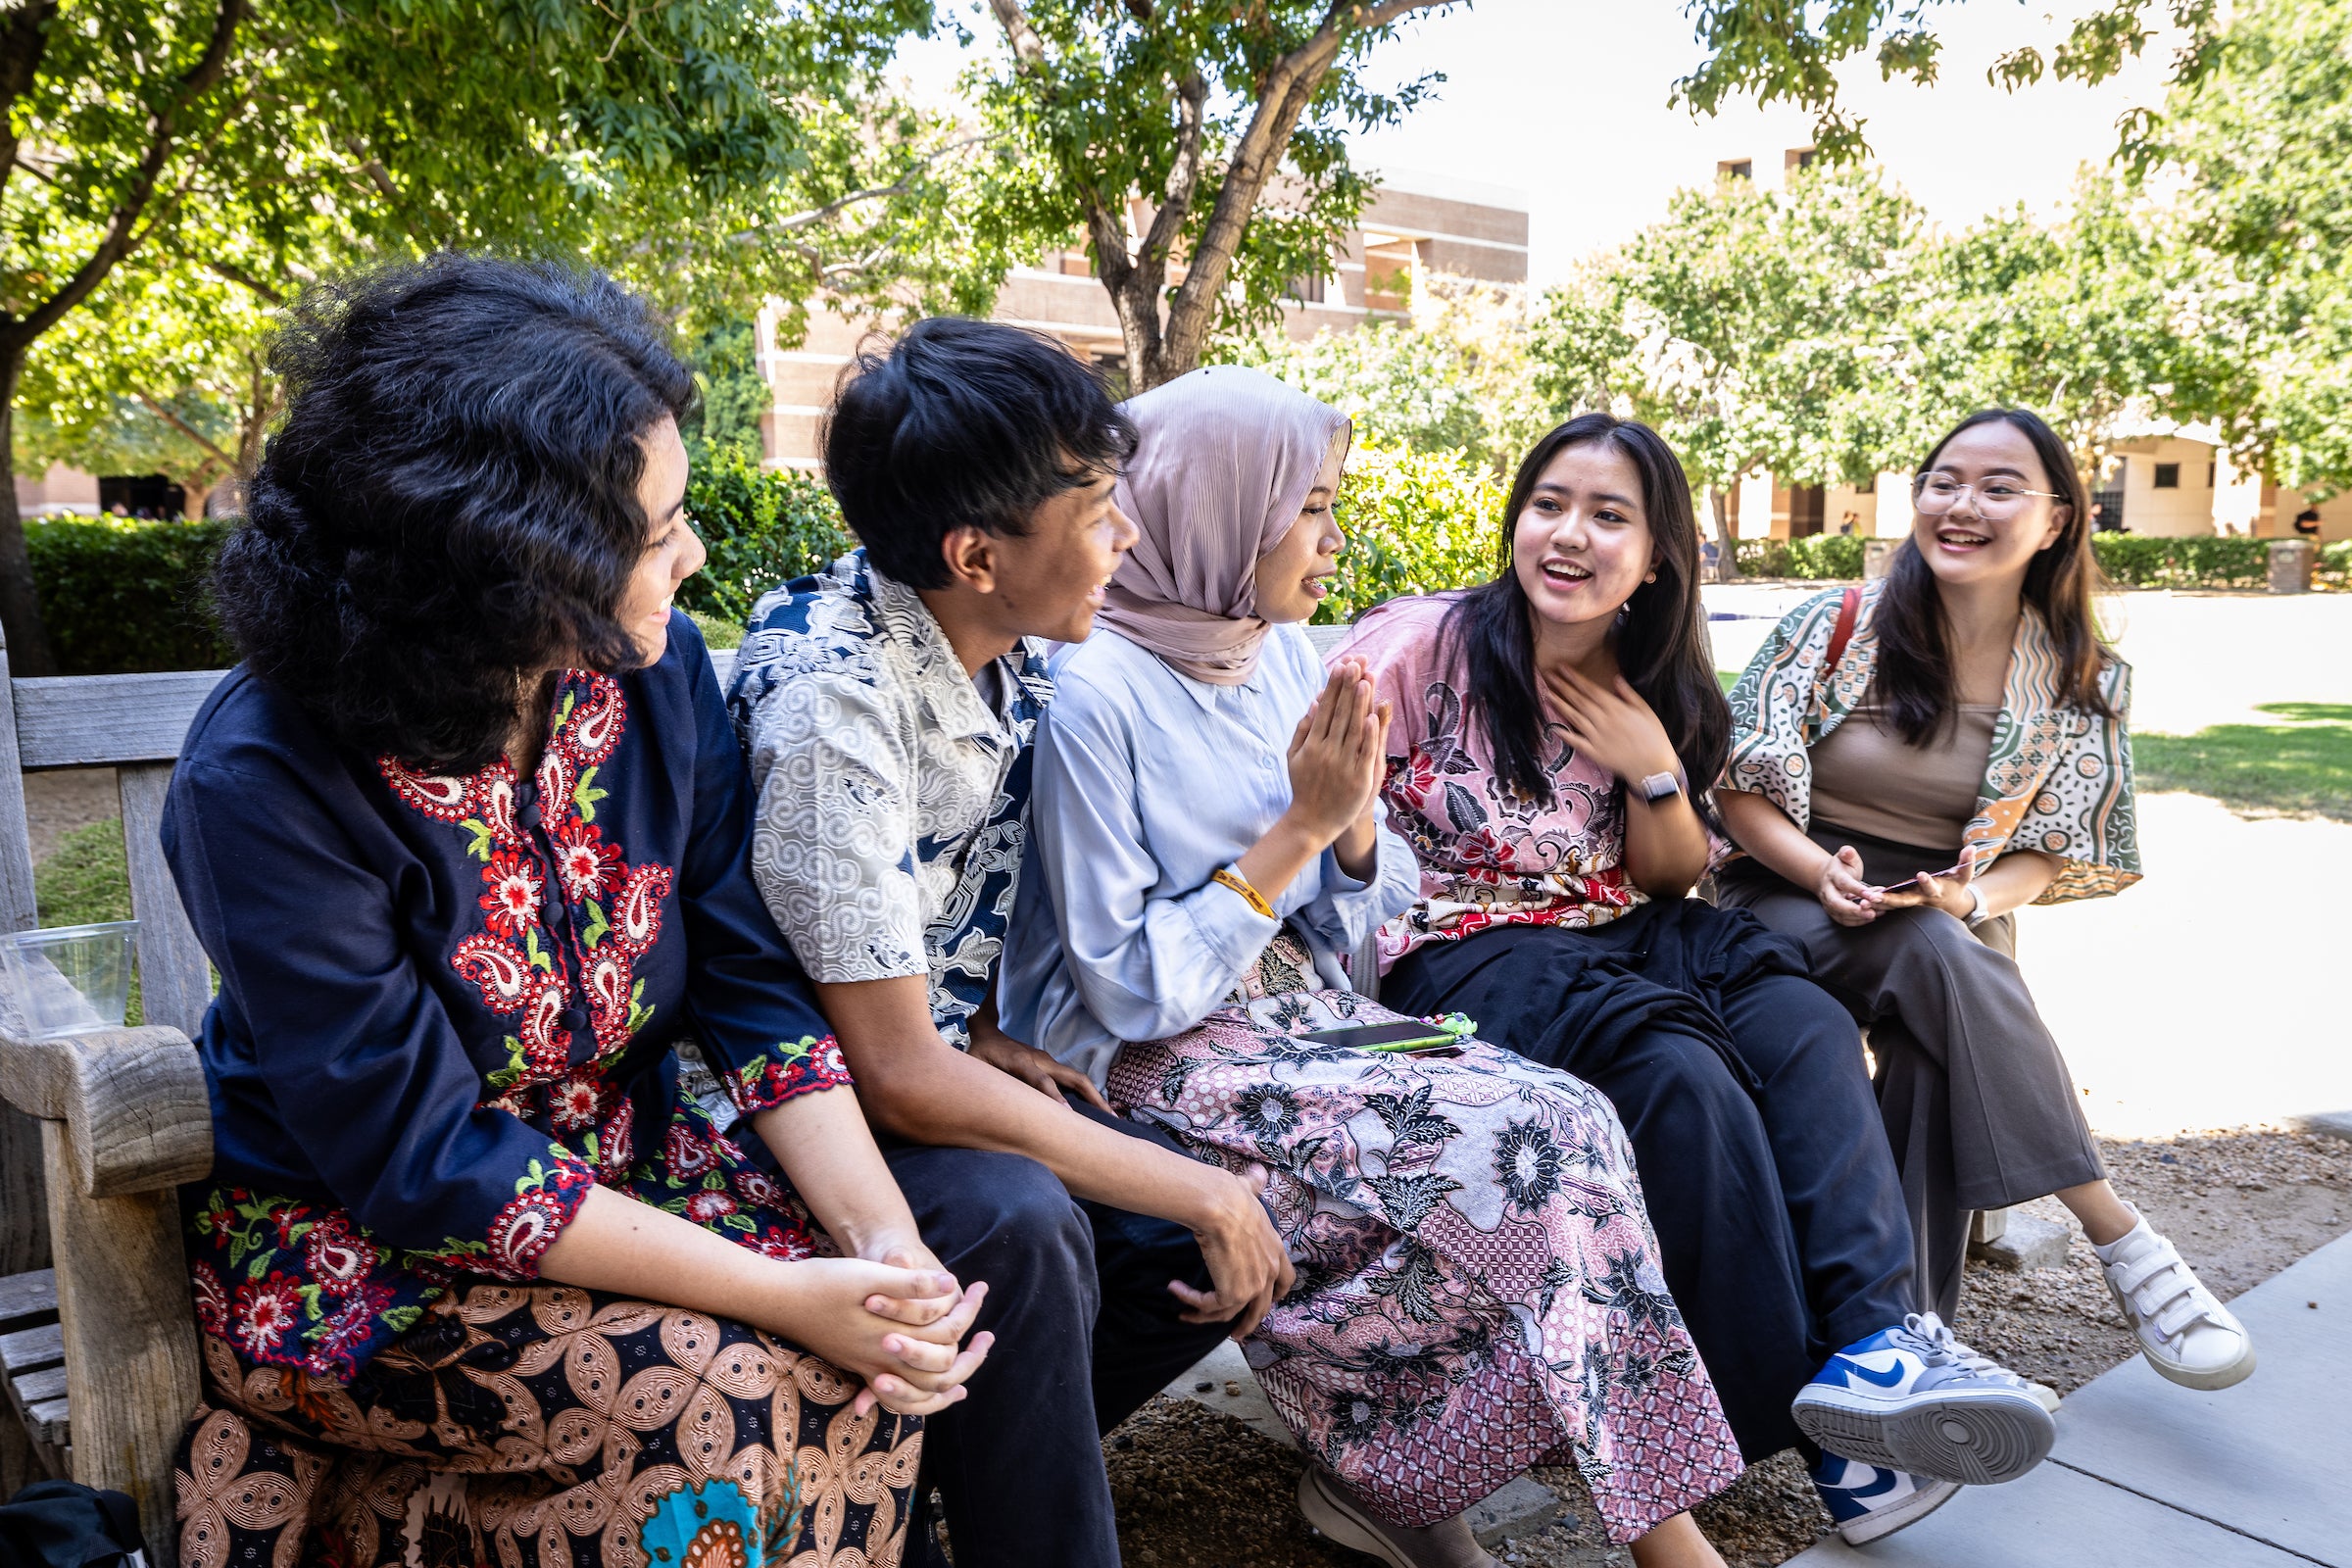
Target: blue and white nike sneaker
column 1914, row 1398
column 1868, row 1502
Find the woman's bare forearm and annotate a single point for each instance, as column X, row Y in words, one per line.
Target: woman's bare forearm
column 2017, row 879
column 1765, row 831
column 621, row 1246
column 1665, row 846
column 828, row 1153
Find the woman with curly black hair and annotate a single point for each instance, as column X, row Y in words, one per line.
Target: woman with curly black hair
column 467, row 837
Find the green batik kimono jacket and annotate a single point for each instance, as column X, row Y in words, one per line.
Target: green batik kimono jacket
column 2059, row 779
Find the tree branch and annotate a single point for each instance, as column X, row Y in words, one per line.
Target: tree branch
column 182, row 426
column 24, row 38
column 1028, row 50
column 898, row 187
column 1288, row 86
column 121, row 237
column 1183, row 178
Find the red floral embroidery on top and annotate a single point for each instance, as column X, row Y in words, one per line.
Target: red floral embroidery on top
column 589, row 866
column 512, row 902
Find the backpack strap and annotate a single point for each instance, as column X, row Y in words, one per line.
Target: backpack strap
column 1843, row 632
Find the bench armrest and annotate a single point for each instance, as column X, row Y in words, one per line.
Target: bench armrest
column 135, row 1098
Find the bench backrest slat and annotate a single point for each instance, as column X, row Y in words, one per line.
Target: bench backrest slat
column 105, row 720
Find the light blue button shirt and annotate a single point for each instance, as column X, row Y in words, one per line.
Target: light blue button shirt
column 1147, row 783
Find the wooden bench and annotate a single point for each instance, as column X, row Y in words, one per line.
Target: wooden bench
column 97, row 1327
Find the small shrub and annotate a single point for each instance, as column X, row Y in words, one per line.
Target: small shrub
column 762, row 526
column 1831, row 557
column 2335, row 566
column 2134, row 560
column 1417, row 522
column 122, row 595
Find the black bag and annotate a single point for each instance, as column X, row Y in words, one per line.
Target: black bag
column 63, row 1524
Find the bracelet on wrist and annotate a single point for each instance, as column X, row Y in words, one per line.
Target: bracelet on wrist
column 1240, row 884
column 1977, row 912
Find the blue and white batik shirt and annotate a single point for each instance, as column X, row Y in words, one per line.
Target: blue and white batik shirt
column 893, row 788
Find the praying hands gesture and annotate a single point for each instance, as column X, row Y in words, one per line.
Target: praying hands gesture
column 1338, row 756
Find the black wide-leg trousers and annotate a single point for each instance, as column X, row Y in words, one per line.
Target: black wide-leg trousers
column 1975, row 1094
column 1086, row 1332
column 1742, row 1087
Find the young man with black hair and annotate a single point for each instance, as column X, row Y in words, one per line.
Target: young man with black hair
column 888, row 707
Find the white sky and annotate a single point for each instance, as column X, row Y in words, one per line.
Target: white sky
column 1567, row 101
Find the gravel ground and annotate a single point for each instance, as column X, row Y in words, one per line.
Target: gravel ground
column 1199, row 1489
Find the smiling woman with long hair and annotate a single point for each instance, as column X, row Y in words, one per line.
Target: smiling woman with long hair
column 1550, row 725
column 1209, row 846
column 1914, row 761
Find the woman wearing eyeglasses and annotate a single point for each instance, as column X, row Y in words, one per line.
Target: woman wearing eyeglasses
column 1914, row 759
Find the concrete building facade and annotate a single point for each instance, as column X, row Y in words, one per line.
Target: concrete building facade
column 1417, row 224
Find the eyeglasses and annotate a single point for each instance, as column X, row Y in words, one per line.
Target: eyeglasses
column 1997, row 500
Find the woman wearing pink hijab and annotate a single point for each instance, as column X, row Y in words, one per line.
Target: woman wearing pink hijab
column 1476, row 1286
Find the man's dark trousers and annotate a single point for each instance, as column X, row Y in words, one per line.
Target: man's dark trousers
column 1086, row 1332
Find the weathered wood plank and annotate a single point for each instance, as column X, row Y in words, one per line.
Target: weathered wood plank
column 136, row 1099
column 16, row 840
column 52, row 1423
column 31, row 1349
column 24, row 1215
column 38, row 1388
column 175, row 985
column 97, row 720
column 129, row 1333
column 30, row 1298
column 24, row 1211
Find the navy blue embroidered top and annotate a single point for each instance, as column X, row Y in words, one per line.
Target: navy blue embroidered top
column 448, row 1005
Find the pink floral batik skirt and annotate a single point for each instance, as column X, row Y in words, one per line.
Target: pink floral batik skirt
column 1478, row 1283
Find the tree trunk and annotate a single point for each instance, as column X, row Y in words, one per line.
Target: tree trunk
column 20, row 603
column 1727, row 564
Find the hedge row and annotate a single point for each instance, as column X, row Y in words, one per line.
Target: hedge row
column 121, row 594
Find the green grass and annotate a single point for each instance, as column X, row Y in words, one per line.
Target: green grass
column 84, row 881
column 1729, row 677
column 717, row 631
column 2304, row 764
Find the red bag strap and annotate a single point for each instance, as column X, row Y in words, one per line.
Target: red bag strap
column 1843, row 632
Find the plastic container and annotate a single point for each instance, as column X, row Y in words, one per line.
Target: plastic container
column 65, row 981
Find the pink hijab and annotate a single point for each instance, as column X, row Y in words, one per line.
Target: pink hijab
column 1226, row 460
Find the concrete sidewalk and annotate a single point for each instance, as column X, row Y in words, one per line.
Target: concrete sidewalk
column 2147, row 1475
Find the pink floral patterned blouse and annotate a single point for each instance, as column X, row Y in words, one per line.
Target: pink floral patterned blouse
column 1489, row 856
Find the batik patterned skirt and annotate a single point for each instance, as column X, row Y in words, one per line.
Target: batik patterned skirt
column 1478, row 1284
column 546, row 1427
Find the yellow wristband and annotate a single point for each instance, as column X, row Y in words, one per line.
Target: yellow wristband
column 1257, row 899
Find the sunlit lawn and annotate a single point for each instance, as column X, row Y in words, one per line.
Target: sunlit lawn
column 2303, row 764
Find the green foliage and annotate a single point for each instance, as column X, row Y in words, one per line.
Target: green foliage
column 1752, row 329
column 1417, row 522
column 734, row 395
column 1456, row 376
column 1780, row 52
column 2136, row 561
column 2261, row 143
column 121, row 596
column 2334, row 567
column 2304, row 764
column 86, row 880
column 762, row 526
column 1821, row 558
column 1229, row 122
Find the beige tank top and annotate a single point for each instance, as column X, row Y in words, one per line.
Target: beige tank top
column 1866, row 779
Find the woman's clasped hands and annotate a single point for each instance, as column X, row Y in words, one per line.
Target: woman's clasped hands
column 896, row 1323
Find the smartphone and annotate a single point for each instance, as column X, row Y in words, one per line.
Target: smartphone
column 1405, row 1034
column 1910, row 884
